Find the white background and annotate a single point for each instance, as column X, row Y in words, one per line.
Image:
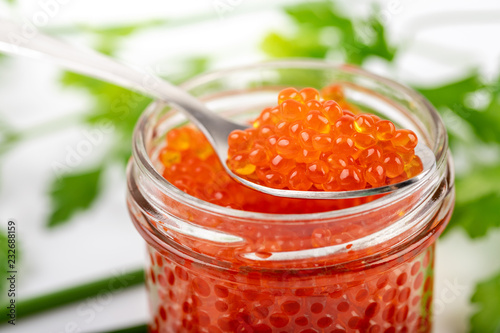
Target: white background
column 442, row 39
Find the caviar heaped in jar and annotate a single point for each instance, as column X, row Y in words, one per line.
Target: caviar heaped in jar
column 225, row 258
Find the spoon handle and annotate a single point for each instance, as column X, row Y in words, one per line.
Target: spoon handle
column 19, row 40
column 26, row 41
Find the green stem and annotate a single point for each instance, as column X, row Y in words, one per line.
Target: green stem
column 106, row 286
column 136, row 329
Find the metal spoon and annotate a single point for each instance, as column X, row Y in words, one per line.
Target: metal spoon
column 16, row 41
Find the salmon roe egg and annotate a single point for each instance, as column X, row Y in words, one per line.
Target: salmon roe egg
column 316, row 121
column 375, row 174
column 332, row 110
column 393, row 164
column 308, row 94
column 405, row 139
column 238, row 140
column 298, row 180
column 292, row 110
column 364, row 123
column 289, row 93
column 385, row 130
column 318, row 172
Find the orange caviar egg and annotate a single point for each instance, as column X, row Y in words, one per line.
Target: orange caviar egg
column 258, row 157
column 316, row 121
column 393, row 164
column 351, row 178
column 270, row 143
column 298, row 180
column 295, row 128
column 289, row 93
column 308, row 94
column 333, row 92
column 340, row 162
column 344, row 145
column 307, row 156
column 281, row 128
column 332, row 110
column 364, row 141
column 263, row 119
column 314, row 105
column 364, row 123
column 370, row 155
column 265, row 132
column 292, row 110
column 238, row 140
column 169, row 157
column 287, row 147
column 414, row 167
column 323, row 142
column 404, row 139
column 272, row 179
column 385, row 130
column 318, row 172
column 306, row 138
column 345, row 125
column 375, row 174
column 179, row 140
column 282, row 165
column 241, row 165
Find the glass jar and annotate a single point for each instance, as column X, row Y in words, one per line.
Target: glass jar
column 367, row 268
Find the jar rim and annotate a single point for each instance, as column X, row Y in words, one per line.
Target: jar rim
column 145, row 165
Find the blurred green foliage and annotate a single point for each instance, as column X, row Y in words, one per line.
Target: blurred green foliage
column 321, row 30
column 486, row 299
column 73, row 192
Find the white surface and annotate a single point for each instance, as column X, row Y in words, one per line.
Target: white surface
column 102, row 241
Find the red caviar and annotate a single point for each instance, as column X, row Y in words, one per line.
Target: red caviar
column 308, row 130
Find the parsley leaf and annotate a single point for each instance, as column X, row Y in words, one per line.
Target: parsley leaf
column 73, row 192
column 477, row 201
column 280, row 46
column 487, row 298
column 454, row 93
column 487, row 122
column 476, row 217
column 453, row 96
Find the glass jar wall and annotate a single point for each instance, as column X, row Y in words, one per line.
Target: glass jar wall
column 357, row 267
